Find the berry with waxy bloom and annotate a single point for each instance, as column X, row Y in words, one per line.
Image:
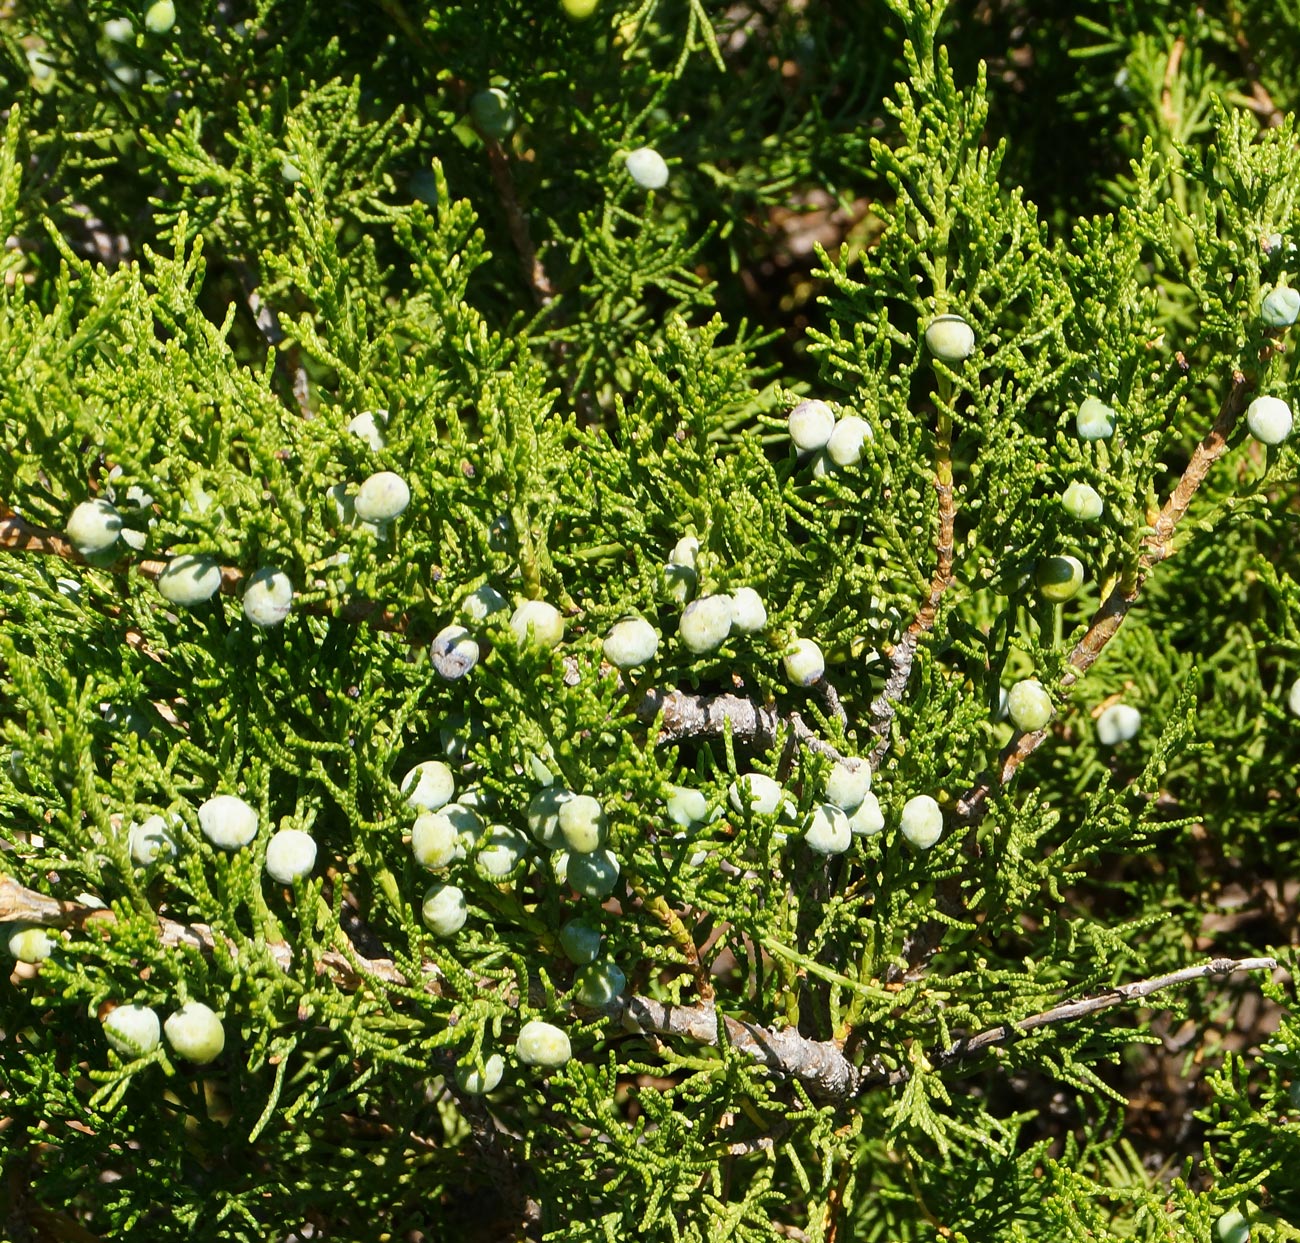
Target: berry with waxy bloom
column 810, row 425
column 94, row 527
column 705, row 624
column 290, row 855
column 583, row 824
column 950, row 338
column 1269, row 420
column 369, row 426
column 435, row 840
column 580, row 941
column 844, row 448
column 543, row 816
column 828, row 831
column 847, row 784
column 593, row 875
column 1029, row 706
column 453, row 652
column 189, row 580
column 1082, row 501
column 382, row 497
column 922, row 821
column 1095, row 419
column 493, row 112
column 631, row 643
column 428, row 785
column 133, row 1030
column 444, row 909
column 647, row 168
column 268, row 597
column 542, row 1044
column 227, row 821
column 475, row 1082
column 761, row 793
column 195, row 1033
column 1280, row 307
column 543, row 621
column 598, row 983
column 150, row 840
column 868, row 820
column 804, row 663
column 1293, row 698
column 1117, row 724
column 748, row 613
column 30, row 943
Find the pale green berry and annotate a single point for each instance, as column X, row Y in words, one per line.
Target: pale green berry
column 1269, row 420
column 189, row 580
column 810, row 425
column 1082, row 501
column 1280, row 307
column 631, row 643
column 1293, row 699
column 580, row 941
column 544, row 621
column 444, row 909
column 453, row 652
column 950, row 338
column 680, row 581
column 686, row 552
column 492, row 112
column 1029, row 706
column 1117, row 724
column 290, row 171
column 369, row 424
column 435, row 841
column 475, row 1082
column 543, row 816
column 593, row 875
column 150, row 840
column 196, row 1033
column 687, row 807
column 429, row 785
column 542, row 1044
column 647, row 168
column 502, row 850
column 93, row 527
column 290, row 855
column 1058, row 578
column 579, row 10
column 132, row 1030
column 598, row 984
column 1095, row 420
column 1232, row 1227
column 160, row 17
column 466, row 821
column 922, row 821
column 705, row 624
column 868, row 820
column 483, row 602
column 382, row 497
column 119, row 30
column 804, row 663
column 844, row 448
column 761, row 793
column 268, row 597
column 748, row 613
column 30, row 943
column 828, row 831
column 227, row 821
column 583, row 824
column 847, row 784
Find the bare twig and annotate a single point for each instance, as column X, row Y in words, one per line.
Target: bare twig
column 1107, row 620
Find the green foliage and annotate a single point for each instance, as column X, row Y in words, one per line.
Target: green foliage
column 228, row 240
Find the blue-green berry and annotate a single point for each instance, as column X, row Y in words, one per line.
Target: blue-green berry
column 922, row 821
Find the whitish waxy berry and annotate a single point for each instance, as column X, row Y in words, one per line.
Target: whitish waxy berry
column 950, row 338
column 828, row 831
column 1058, row 578
column 804, row 663
column 501, row 852
column 764, row 796
column 196, row 1033
column 647, row 168
column 290, row 855
column 227, row 821
column 844, row 448
column 544, row 816
column 483, row 602
column 382, row 497
column 847, row 784
column 160, row 17
column 811, row 424
column 150, row 840
column 687, row 807
column 544, row 620
column 593, row 875
column 1029, row 706
column 705, row 624
column 598, row 984
column 189, row 580
column 686, row 552
column 118, row 30
column 542, row 1044
column 290, row 171
column 1280, row 307
column 680, row 581
column 1082, row 501
column 583, row 824
column 922, row 821
column 492, row 112
column 132, row 1030
column 748, row 614
column 1232, row 1227
column 369, row 426
column 268, row 597
column 444, row 910
column 93, row 527
column 580, row 941
column 1117, row 724
column 475, row 1082
column 435, row 841
column 1269, row 420
column 1293, row 699
column 1095, row 420
column 868, row 820
column 631, row 643
column 453, row 652
column 29, row 943
column 429, row 785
